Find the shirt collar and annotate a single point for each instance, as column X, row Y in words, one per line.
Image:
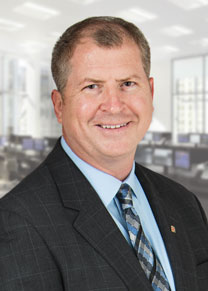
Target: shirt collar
column 104, row 184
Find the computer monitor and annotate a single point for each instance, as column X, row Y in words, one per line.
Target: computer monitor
column 195, row 138
column 144, row 155
column 183, row 138
column 163, row 157
column 27, row 144
column 3, row 141
column 157, row 136
column 20, row 138
column 39, row 144
column 182, row 159
column 204, row 139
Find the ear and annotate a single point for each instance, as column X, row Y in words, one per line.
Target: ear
column 151, row 82
column 57, row 104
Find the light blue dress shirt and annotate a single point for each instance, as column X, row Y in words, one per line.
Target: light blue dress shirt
column 106, row 187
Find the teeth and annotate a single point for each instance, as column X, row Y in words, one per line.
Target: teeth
column 114, row 126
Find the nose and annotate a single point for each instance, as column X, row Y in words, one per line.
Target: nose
column 112, row 101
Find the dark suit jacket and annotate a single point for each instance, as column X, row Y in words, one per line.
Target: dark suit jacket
column 55, row 234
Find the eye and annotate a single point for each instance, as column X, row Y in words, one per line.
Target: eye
column 91, row 86
column 128, row 84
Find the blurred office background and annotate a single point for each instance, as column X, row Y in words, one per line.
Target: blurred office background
column 176, row 144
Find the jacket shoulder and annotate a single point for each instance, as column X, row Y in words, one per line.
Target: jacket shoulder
column 159, row 179
column 30, row 191
column 175, row 195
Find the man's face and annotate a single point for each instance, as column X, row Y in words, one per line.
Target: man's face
column 107, row 106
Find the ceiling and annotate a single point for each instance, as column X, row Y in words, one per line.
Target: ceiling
column 174, row 28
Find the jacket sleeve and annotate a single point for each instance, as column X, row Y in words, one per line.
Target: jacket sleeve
column 25, row 260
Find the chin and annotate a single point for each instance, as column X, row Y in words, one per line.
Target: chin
column 116, row 152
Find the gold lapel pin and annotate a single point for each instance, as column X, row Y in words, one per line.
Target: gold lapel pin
column 172, row 228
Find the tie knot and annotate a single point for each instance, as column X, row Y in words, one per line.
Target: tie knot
column 124, row 196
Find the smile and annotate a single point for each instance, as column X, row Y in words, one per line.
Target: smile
column 113, row 126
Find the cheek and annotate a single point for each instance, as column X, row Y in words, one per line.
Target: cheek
column 142, row 106
column 85, row 109
column 68, row 115
column 77, row 112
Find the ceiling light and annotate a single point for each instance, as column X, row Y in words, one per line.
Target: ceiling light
column 177, row 30
column 166, row 49
column 170, row 49
column 9, row 25
column 53, row 36
column 33, row 47
column 189, row 4
column 36, row 11
column 85, row 2
column 202, row 42
column 137, row 15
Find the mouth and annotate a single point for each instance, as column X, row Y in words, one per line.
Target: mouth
column 113, row 126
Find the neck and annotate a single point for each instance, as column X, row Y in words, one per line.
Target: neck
column 118, row 168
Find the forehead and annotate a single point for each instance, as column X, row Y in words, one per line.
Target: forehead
column 88, row 53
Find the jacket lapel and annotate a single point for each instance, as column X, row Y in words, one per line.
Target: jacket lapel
column 172, row 231
column 94, row 222
column 99, row 229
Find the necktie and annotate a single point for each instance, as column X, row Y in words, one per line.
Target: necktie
column 147, row 258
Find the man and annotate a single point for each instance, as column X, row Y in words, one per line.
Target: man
column 88, row 218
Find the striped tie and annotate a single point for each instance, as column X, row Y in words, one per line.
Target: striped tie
column 147, row 258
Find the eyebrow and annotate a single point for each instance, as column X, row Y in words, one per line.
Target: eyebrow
column 92, row 80
column 129, row 78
